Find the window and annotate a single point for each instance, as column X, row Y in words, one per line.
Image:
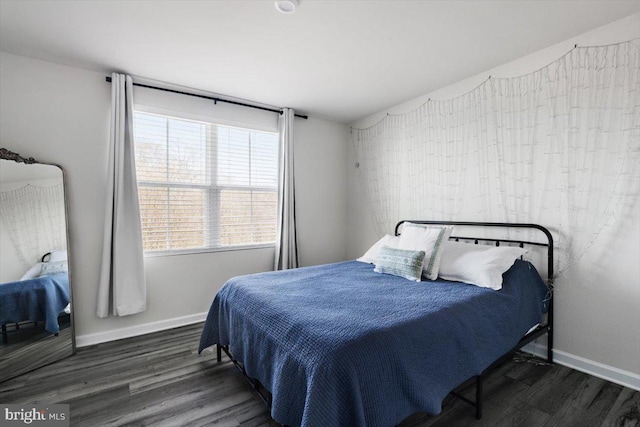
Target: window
column 204, row 185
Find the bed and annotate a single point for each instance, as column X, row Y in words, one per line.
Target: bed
column 339, row 344
column 39, row 299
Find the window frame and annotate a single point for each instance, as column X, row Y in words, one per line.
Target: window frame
column 212, row 189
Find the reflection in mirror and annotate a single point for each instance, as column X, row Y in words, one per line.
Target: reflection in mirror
column 35, row 291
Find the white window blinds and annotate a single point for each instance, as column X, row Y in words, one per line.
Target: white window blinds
column 204, row 185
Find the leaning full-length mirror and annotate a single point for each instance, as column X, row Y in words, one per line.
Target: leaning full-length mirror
column 35, row 290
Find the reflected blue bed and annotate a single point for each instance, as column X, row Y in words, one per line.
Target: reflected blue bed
column 341, row 345
column 36, row 300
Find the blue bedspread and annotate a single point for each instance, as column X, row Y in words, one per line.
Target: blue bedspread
column 39, row 299
column 340, row 345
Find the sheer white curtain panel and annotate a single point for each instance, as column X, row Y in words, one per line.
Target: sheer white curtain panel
column 559, row 146
column 34, row 217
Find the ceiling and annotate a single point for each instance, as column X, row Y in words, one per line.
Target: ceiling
column 340, row 60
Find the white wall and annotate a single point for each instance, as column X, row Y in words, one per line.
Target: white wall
column 597, row 305
column 60, row 114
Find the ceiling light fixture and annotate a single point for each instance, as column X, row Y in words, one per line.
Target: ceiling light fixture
column 286, row 6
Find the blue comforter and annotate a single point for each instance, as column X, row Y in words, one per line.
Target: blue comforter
column 340, row 345
column 39, row 299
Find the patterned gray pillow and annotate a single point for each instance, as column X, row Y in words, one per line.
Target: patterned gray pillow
column 400, row 262
column 53, row 268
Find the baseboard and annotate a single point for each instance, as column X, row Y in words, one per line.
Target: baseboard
column 133, row 331
column 600, row 370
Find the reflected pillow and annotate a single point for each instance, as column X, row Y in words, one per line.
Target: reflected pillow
column 372, row 254
column 57, row 256
column 33, row 272
column 400, row 262
column 427, row 238
column 53, row 268
column 479, row 265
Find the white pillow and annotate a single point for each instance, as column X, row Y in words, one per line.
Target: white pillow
column 58, row 256
column 479, row 265
column 33, row 272
column 427, row 238
column 371, row 256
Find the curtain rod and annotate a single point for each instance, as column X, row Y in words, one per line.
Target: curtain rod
column 213, row 98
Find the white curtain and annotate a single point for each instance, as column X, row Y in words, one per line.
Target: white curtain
column 35, row 221
column 122, row 286
column 286, row 238
column 559, row 146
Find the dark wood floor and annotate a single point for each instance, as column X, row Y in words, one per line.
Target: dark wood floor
column 160, row 380
column 34, row 347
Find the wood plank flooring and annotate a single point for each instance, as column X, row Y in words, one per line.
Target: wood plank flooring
column 24, row 353
column 160, row 380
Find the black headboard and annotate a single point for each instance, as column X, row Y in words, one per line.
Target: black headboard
column 548, row 245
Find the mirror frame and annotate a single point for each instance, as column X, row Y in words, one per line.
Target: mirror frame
column 6, row 154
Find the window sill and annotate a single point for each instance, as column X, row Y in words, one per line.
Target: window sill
column 207, row 250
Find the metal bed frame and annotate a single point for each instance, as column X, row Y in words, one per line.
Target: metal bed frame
column 540, row 330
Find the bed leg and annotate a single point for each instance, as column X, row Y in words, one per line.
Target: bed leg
column 479, row 397
column 5, row 337
column 550, row 327
column 219, row 352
